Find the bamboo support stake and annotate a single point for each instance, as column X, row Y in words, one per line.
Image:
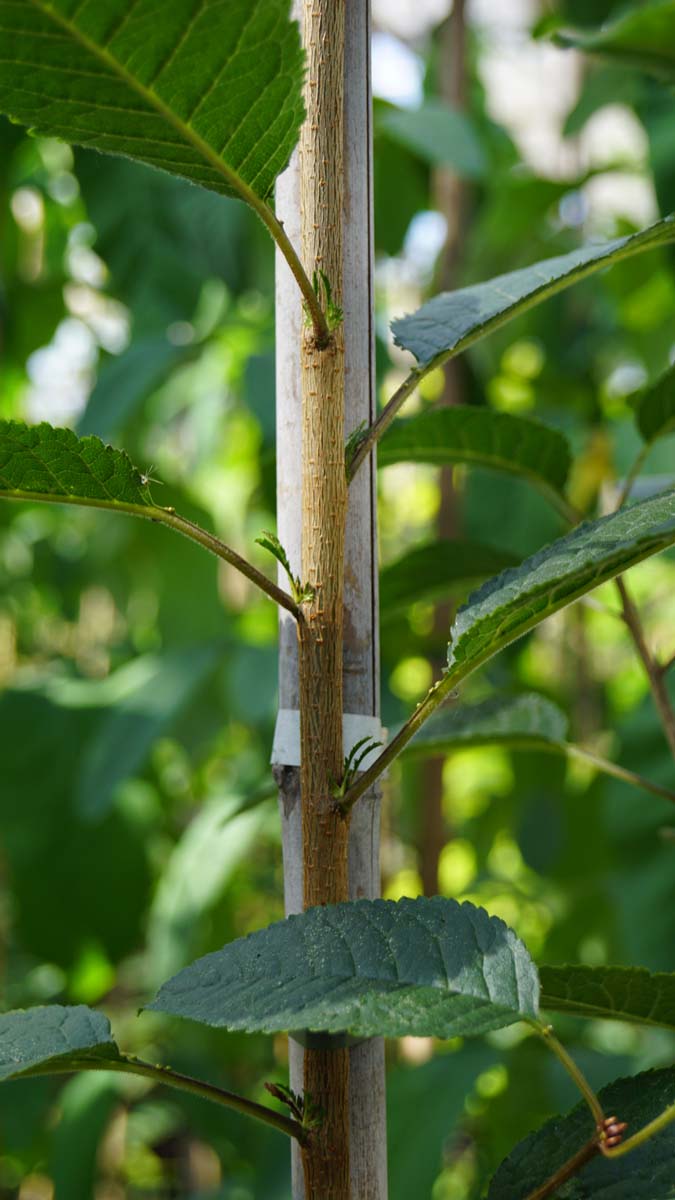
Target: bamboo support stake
column 360, row 637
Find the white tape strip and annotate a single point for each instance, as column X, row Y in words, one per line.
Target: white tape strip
column 286, row 744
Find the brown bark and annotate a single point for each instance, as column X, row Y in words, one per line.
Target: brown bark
column 324, row 831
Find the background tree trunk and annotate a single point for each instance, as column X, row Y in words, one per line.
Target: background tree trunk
column 361, row 642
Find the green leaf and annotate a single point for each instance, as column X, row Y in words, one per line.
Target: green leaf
column 210, row 92
column 452, row 321
column 655, row 409
column 437, row 569
column 38, row 461
column 646, row 1173
column 425, row 967
column 439, row 135
column 35, row 1040
column 527, row 720
column 507, row 606
column 610, row 993
column 643, row 37
column 484, row 438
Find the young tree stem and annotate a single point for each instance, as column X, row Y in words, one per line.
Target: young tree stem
column 324, row 830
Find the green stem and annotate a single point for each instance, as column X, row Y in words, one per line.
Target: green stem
column 546, row 1033
column 185, row 1083
column 609, row 768
column 438, row 693
column 665, row 1118
column 169, row 516
column 654, row 673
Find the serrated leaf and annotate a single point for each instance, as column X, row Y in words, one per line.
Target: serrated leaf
column 54, row 464
column 647, row 1173
column 507, row 606
column 437, row 569
column 425, row 967
column 643, row 37
column 655, row 409
column 484, row 438
column 525, row 720
column 35, row 1040
column 452, row 321
column 438, row 134
column 610, row 993
column 211, row 91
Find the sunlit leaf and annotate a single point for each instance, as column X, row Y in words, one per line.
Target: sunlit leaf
column 425, row 967
column 610, row 993
column 454, row 320
column 33, row 1040
column 212, row 93
column 647, row 1173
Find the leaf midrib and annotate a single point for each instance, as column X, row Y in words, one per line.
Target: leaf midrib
column 154, row 101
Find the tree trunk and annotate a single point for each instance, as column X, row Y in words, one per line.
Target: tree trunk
column 314, row 866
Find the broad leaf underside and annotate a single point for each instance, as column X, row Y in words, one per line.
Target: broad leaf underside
column 452, row 320
column 506, row 607
column 422, row 967
column 210, row 90
column 528, row 720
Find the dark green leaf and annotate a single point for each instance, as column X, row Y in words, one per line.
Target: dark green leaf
column 425, row 967
column 212, row 93
column 645, row 1174
column 53, row 464
column 618, row 993
column 506, row 607
column 525, row 720
column 481, row 437
column 642, row 37
column 438, row 134
column 454, row 320
column 438, row 569
column 655, row 410
column 33, row 1040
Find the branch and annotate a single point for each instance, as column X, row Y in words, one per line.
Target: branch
column 185, row 1083
column 275, row 226
column 373, row 434
column 609, row 768
column 655, row 674
column 567, row 1171
column 169, row 516
column 641, row 1136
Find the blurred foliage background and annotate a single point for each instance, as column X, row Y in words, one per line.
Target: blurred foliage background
column 138, row 828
